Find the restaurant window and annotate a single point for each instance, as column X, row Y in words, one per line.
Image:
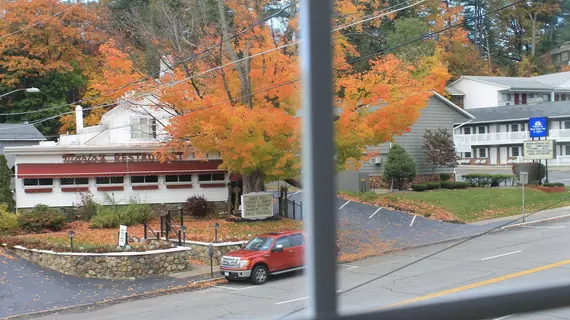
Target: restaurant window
column 144, row 179
column 206, row 177
column 74, row 181
column 109, row 180
column 143, row 128
column 179, row 178
column 515, row 151
column 38, row 182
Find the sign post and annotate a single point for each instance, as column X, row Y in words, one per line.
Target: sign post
column 211, row 255
column 524, row 180
column 257, row 205
column 122, row 236
column 538, row 128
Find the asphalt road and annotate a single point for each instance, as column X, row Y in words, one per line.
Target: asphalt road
column 483, row 264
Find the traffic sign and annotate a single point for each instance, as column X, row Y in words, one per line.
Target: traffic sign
column 538, row 127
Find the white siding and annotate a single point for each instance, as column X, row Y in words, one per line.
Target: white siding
column 478, row 94
column 57, row 198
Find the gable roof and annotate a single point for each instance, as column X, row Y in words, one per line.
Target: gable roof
column 453, row 105
column 544, row 82
column 559, row 109
column 20, row 132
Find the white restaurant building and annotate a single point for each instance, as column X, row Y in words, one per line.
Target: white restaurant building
column 114, row 159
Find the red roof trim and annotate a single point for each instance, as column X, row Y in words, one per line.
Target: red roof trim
column 64, row 170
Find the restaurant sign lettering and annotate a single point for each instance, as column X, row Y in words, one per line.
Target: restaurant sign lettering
column 117, row 157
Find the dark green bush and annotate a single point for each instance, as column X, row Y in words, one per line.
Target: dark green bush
column 449, row 185
column 42, row 218
column 112, row 216
column 400, row 167
column 444, row 176
column 559, row 184
column 433, row 185
column 550, row 185
column 419, row 187
column 461, row 185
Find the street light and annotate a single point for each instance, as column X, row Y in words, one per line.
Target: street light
column 28, row 90
column 216, row 226
column 71, row 234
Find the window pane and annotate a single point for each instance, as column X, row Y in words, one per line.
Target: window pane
column 67, row 181
column 117, row 180
column 467, row 130
column 283, row 241
column 296, row 240
column 46, row 182
column 218, row 177
column 171, row 178
column 482, row 153
column 514, row 127
column 515, row 152
column 102, row 180
column 81, row 180
column 137, row 179
column 30, row 182
column 151, row 178
column 567, row 124
column 467, row 154
column 135, row 128
column 185, row 178
column 205, row 177
column 482, row 129
column 567, row 150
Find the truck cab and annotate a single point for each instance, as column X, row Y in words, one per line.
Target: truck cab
column 266, row 254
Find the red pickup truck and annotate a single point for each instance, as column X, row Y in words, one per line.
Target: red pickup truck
column 266, row 254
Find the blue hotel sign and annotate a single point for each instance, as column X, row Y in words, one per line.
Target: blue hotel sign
column 538, row 127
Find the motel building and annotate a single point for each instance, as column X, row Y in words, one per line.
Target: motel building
column 114, row 160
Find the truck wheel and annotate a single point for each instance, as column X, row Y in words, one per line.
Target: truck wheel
column 259, row 275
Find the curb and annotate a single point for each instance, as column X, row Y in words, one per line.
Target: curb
column 535, row 221
column 112, row 301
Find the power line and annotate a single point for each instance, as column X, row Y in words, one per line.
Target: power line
column 383, row 13
column 37, row 23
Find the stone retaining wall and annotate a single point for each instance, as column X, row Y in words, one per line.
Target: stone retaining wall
column 119, row 265
column 200, row 250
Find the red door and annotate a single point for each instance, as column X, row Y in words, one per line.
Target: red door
column 524, row 98
column 281, row 260
column 517, row 100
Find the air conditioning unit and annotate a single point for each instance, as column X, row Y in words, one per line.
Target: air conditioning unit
column 375, row 160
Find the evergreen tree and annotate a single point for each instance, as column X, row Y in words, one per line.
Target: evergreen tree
column 5, row 181
column 400, row 167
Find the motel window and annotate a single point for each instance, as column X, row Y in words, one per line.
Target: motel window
column 211, row 177
column 38, row 182
column 179, row 178
column 482, row 153
column 515, row 151
column 467, row 155
column 143, row 128
column 466, row 130
column 144, row 179
column 566, row 124
column 556, row 97
column 514, row 127
column 482, row 129
column 109, row 180
column 509, row 97
column 73, row 181
column 546, row 97
column 567, row 150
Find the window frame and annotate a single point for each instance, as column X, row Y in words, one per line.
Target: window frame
column 140, row 133
column 178, row 180
column 468, row 129
column 212, row 178
column 74, row 182
column 110, row 181
column 479, row 152
column 484, row 129
column 38, row 185
column 470, row 155
column 145, row 182
column 511, row 151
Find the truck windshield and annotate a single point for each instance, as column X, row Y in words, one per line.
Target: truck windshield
column 259, row 243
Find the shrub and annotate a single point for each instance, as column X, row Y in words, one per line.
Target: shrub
column 6, row 196
column 419, row 187
column 8, row 221
column 87, row 208
column 444, row 176
column 433, row 185
column 461, row 185
column 449, row 185
column 41, row 218
column 400, row 167
column 478, row 179
column 549, row 185
column 196, row 205
column 112, row 216
column 559, row 184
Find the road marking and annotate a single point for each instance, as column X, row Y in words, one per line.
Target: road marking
column 478, row 284
column 236, row 289
column 537, row 227
column 298, row 299
column 294, row 193
column 375, row 212
column 535, row 221
column 501, row 255
column 344, row 204
column 348, row 266
column 413, row 219
column 505, row 317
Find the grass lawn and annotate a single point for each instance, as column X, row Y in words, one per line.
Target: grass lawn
column 470, row 204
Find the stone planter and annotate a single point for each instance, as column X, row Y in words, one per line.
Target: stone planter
column 200, row 250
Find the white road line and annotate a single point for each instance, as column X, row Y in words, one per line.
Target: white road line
column 236, row 289
column 344, row 204
column 535, row 221
column 294, row 193
column 505, row 317
column 348, row 266
column 351, row 267
column 501, row 255
column 537, row 227
column 413, row 219
column 298, row 299
column 375, row 212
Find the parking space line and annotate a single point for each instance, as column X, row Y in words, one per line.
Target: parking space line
column 375, row 212
column 543, row 227
column 298, row 299
column 235, row 289
column 501, row 255
column 348, row 266
column 344, row 204
column 413, row 219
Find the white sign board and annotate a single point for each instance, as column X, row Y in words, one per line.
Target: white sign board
column 122, row 236
column 524, row 177
column 539, row 150
column 257, row 205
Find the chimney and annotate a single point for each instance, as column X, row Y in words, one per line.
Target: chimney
column 79, row 118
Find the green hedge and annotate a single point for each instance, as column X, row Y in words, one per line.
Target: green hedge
column 449, row 185
column 444, row 176
column 487, row 179
column 461, row 185
column 419, row 187
column 433, row 185
column 554, row 184
column 559, row 184
column 42, row 218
